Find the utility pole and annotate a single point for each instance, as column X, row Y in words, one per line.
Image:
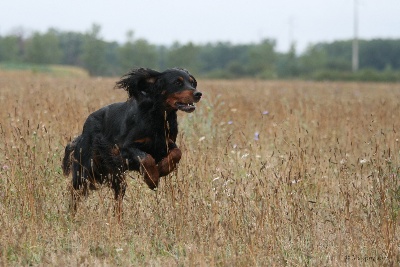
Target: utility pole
column 355, row 39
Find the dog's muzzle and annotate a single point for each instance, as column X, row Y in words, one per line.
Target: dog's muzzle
column 189, row 107
column 185, row 101
column 197, row 96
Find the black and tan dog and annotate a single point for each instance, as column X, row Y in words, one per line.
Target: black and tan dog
column 138, row 134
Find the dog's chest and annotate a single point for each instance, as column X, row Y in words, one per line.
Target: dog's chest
column 156, row 145
column 156, row 137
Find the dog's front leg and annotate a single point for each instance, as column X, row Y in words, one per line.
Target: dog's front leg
column 168, row 164
column 143, row 162
column 150, row 171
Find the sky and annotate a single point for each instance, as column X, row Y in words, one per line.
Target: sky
column 163, row 22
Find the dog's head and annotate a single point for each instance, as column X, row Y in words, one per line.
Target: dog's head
column 175, row 88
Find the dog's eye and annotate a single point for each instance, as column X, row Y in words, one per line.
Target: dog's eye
column 179, row 82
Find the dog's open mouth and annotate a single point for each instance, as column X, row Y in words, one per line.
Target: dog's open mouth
column 187, row 107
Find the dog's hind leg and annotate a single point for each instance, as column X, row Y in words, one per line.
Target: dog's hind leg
column 118, row 184
column 75, row 198
column 68, row 158
column 78, row 187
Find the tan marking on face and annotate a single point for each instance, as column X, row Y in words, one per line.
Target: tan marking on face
column 184, row 97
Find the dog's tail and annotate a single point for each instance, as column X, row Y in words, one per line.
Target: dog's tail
column 68, row 155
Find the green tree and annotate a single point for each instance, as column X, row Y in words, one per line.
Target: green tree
column 223, row 56
column 72, row 44
column 287, row 64
column 94, row 51
column 184, row 56
column 338, row 55
column 313, row 59
column 112, row 65
column 262, row 59
column 11, row 48
column 126, row 53
column 380, row 54
column 137, row 53
column 146, row 54
column 44, row 48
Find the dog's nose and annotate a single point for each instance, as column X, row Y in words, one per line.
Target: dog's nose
column 197, row 94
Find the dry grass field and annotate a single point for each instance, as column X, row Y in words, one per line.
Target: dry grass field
column 274, row 173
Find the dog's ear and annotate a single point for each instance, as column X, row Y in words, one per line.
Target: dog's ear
column 138, row 82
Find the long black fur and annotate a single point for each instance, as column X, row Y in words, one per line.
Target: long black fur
column 138, row 134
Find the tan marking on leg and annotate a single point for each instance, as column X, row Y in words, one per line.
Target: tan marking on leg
column 168, row 164
column 150, row 171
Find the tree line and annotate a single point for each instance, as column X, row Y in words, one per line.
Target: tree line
column 379, row 58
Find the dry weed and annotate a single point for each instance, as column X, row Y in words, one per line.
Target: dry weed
column 273, row 173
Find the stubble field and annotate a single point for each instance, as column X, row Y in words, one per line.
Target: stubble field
column 273, row 173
